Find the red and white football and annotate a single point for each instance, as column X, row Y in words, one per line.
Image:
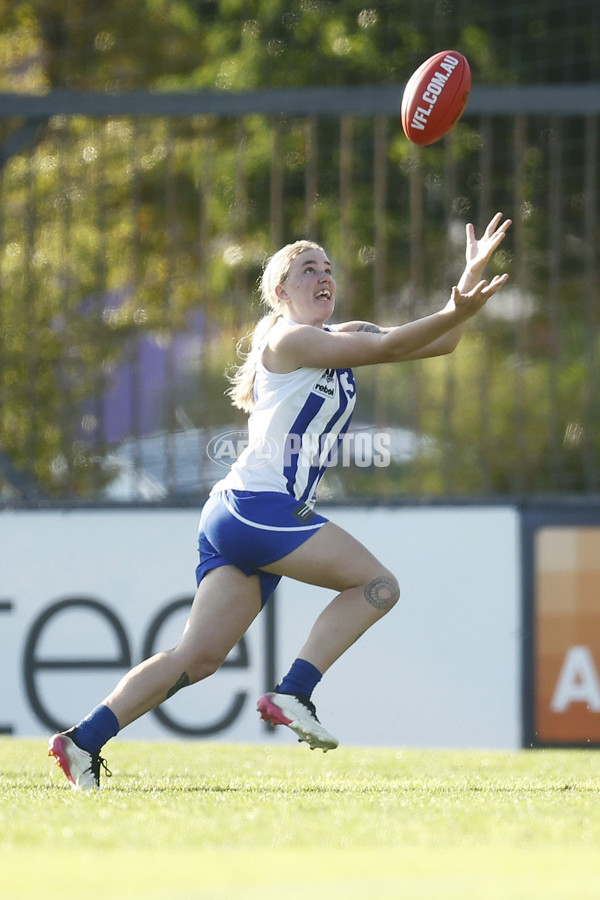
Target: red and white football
column 435, row 97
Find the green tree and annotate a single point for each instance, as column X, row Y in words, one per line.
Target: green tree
column 116, row 230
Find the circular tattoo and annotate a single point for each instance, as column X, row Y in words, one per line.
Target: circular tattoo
column 382, row 592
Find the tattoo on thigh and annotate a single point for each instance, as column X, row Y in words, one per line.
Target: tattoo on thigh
column 182, row 681
column 382, row 592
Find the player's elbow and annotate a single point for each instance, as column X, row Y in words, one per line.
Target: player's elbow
column 390, row 350
column 446, row 349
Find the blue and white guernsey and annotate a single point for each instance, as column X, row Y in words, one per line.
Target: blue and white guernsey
column 297, row 423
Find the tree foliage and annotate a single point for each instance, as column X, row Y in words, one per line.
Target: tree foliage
column 120, row 236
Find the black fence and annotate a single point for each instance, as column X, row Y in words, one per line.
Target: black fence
column 133, row 228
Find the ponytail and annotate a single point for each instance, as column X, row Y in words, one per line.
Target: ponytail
column 241, row 391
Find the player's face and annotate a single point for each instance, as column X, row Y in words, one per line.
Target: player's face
column 308, row 294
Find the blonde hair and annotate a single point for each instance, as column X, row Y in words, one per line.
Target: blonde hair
column 275, row 272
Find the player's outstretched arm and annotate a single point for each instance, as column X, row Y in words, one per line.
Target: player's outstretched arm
column 472, row 292
column 361, row 343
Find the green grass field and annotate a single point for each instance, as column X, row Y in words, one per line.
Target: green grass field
column 197, row 820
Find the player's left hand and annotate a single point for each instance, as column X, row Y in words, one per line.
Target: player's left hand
column 478, row 252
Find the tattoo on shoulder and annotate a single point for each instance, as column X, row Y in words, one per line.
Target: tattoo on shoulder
column 366, row 326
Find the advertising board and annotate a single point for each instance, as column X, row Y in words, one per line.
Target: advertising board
column 562, row 636
column 86, row 594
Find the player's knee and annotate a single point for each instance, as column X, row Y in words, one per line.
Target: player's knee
column 197, row 666
column 204, row 666
column 382, row 592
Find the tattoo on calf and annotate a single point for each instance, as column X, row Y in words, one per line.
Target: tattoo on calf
column 182, row 681
column 382, row 592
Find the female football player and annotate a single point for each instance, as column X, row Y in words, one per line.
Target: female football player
column 259, row 523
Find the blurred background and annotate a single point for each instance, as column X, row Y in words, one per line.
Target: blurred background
column 152, row 155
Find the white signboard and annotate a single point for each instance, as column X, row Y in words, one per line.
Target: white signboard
column 86, row 594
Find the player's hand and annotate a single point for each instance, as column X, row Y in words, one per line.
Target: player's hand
column 478, row 252
column 469, row 302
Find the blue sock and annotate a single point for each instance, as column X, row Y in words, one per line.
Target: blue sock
column 96, row 729
column 302, row 678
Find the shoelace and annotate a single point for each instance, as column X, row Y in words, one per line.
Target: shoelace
column 97, row 763
column 102, row 763
column 308, row 704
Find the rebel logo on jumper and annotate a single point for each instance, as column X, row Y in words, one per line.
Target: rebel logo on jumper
column 326, row 385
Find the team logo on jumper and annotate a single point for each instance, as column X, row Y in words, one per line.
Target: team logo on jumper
column 347, row 382
column 326, row 386
column 303, row 513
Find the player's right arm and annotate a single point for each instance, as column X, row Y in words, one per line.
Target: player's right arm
column 361, row 344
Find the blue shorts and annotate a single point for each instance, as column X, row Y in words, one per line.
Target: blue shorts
column 249, row 530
